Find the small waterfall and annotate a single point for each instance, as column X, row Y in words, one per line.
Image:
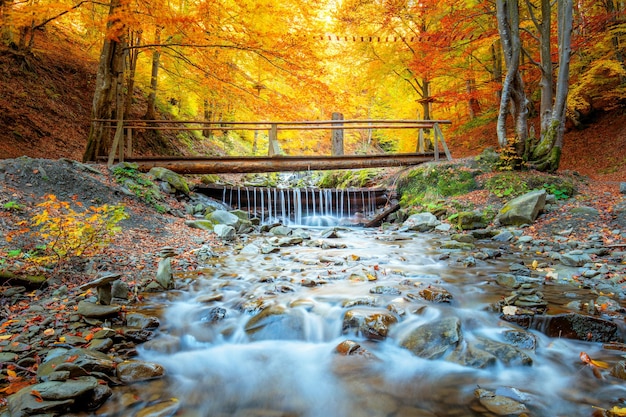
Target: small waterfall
column 312, row 206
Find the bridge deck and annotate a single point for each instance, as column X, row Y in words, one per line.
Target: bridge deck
column 221, row 165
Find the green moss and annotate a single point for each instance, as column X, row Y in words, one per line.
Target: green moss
column 428, row 184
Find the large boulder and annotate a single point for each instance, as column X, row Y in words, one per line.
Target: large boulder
column 223, row 217
column 523, row 209
column 421, row 222
column 173, row 179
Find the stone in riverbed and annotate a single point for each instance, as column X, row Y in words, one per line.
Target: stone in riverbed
column 79, row 362
column 276, row 322
column 499, row 404
column 64, row 390
column 224, row 232
column 436, row 294
column 570, row 326
column 23, row 404
column 97, row 311
column 432, row 340
column 371, row 323
column 162, row 409
column 142, row 321
column 136, row 371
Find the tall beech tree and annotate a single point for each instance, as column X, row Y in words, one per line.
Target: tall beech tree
column 542, row 153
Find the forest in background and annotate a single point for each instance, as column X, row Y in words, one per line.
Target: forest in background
column 227, row 61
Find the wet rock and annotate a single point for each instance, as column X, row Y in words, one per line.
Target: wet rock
column 276, row 322
column 456, row 245
column 352, row 348
column 285, row 241
column 385, row 290
column 223, row 217
column 469, row 355
column 508, row 280
column 79, row 362
column 224, row 232
column 523, row 209
column 436, row 294
column 135, row 371
column 64, row 390
column 101, row 345
column 361, row 301
column 570, row 326
column 163, row 344
column 97, row 311
column 499, row 404
column 421, row 222
column 281, row 231
column 507, row 354
column 372, row 323
column 162, row 409
column 619, row 370
column 23, row 404
column 142, row 321
column 520, row 339
column 432, row 340
column 210, row 298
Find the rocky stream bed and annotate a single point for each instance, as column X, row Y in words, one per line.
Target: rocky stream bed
column 411, row 319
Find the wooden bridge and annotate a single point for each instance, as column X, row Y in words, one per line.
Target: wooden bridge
column 275, row 162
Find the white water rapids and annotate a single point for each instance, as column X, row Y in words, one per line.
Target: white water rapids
column 221, row 367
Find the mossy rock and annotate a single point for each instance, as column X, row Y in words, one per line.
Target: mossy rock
column 470, row 220
column 28, row 281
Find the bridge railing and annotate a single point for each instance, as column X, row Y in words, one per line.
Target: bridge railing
column 123, row 139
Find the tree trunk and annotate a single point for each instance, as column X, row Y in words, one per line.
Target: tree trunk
column 513, row 97
column 547, row 154
column 133, row 55
column 154, row 77
column 208, row 116
column 103, row 105
column 545, row 65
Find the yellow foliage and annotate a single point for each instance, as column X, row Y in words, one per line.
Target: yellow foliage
column 61, row 233
column 599, row 81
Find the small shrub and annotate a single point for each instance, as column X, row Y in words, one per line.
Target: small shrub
column 13, row 206
column 507, row 185
column 146, row 190
column 61, row 233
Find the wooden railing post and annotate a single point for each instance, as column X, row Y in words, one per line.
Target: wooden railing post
column 272, row 147
column 337, row 136
column 420, row 141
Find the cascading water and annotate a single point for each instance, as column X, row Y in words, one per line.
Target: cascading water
column 257, row 335
column 306, row 206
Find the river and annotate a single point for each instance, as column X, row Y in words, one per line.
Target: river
column 265, row 334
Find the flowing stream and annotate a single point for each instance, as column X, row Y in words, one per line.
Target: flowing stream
column 256, row 335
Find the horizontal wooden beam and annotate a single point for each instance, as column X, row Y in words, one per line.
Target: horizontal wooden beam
column 281, row 163
column 279, row 123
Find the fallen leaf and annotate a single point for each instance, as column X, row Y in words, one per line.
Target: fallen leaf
column 48, row 332
column 37, row 395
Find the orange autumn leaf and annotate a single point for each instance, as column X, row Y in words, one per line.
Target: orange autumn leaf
column 598, row 364
column 37, row 395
